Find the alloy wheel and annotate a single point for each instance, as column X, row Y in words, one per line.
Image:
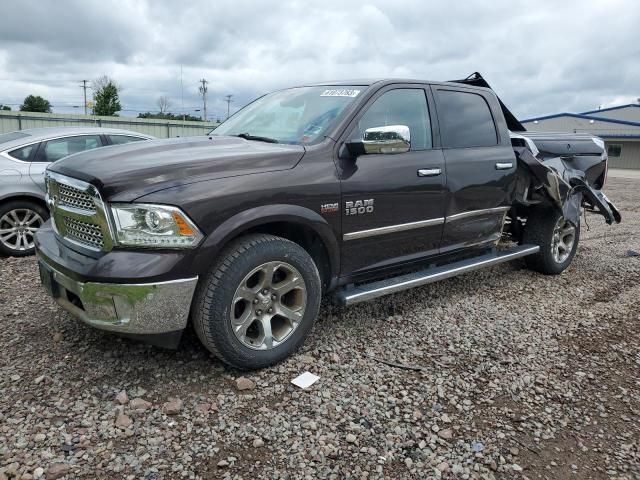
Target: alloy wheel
column 564, row 236
column 268, row 305
column 18, row 228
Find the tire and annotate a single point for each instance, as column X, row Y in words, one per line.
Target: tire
column 252, row 275
column 19, row 220
column 547, row 228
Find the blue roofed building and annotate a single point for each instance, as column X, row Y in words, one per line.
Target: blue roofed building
column 618, row 126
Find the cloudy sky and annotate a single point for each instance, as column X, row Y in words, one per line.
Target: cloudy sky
column 540, row 56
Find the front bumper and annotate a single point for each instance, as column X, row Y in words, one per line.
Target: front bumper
column 139, row 307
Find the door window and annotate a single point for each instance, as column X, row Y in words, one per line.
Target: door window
column 122, row 139
column 62, row 147
column 465, row 120
column 23, row 153
column 403, row 106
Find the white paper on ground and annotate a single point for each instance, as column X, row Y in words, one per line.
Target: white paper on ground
column 305, row 380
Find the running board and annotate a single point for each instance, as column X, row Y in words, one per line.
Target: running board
column 351, row 295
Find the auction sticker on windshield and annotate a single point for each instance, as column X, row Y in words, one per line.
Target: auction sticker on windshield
column 340, row 93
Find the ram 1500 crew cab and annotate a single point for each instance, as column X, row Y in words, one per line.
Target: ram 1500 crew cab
column 354, row 189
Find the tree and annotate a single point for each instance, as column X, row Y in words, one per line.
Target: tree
column 164, row 104
column 5, row 107
column 105, row 97
column 35, row 103
column 169, row 116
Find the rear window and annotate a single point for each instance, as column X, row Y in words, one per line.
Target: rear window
column 10, row 137
column 122, row 139
column 465, row 120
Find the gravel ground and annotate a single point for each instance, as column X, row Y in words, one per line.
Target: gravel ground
column 512, row 375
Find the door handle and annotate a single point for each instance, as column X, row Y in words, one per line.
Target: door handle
column 429, row 172
column 504, row 166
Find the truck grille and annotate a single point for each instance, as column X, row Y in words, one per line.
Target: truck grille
column 85, row 233
column 74, row 197
column 78, row 213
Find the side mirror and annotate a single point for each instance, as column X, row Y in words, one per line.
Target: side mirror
column 389, row 139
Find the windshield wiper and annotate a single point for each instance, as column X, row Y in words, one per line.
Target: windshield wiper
column 258, row 138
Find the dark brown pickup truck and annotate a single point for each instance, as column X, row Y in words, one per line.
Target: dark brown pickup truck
column 354, row 189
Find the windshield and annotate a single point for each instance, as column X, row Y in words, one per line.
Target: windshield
column 296, row 115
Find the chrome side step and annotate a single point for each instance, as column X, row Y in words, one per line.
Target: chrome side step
column 351, row 295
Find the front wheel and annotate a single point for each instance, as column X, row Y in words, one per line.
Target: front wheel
column 19, row 221
column 557, row 237
column 258, row 302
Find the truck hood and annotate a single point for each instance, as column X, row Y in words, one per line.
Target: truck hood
column 126, row 172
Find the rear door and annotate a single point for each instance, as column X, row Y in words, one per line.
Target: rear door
column 480, row 166
column 391, row 213
column 58, row 148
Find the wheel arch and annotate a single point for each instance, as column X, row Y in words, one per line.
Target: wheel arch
column 25, row 196
column 293, row 222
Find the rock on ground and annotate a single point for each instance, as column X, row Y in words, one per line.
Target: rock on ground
column 244, row 383
column 173, row 406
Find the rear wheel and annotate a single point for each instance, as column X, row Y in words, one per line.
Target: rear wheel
column 557, row 237
column 258, row 301
column 19, row 221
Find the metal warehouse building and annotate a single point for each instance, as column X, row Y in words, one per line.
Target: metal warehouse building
column 618, row 126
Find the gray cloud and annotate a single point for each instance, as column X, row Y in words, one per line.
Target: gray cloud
column 541, row 57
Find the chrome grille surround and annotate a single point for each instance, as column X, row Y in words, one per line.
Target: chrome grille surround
column 78, row 213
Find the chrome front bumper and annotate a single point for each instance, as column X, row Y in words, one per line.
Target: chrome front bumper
column 137, row 309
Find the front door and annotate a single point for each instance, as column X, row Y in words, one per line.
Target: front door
column 58, row 148
column 393, row 204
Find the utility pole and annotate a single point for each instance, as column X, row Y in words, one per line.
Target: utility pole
column 84, row 87
column 228, row 100
column 182, row 97
column 203, row 91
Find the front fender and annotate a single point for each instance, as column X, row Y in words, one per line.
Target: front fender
column 262, row 215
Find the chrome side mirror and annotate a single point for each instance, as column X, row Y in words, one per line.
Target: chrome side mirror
column 389, row 139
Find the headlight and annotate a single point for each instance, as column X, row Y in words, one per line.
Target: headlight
column 158, row 226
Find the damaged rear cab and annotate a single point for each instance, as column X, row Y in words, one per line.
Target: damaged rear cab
column 566, row 171
column 562, row 171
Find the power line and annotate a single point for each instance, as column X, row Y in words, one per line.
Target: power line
column 128, row 109
column 203, row 90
